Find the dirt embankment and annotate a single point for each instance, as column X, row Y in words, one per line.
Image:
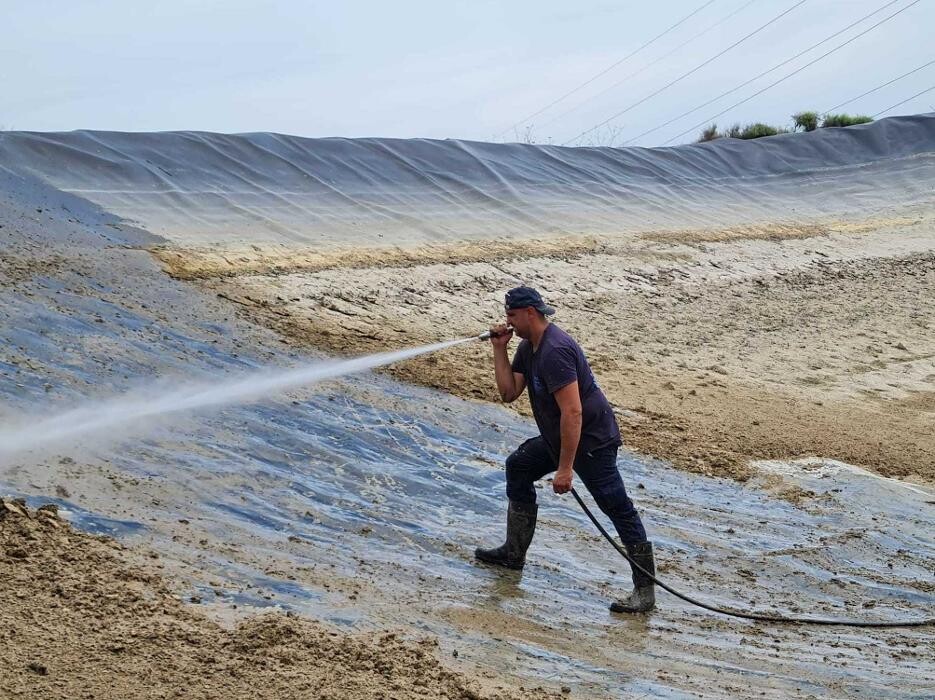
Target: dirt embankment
column 81, row 619
column 716, row 346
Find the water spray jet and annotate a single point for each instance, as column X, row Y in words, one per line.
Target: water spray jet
column 134, row 407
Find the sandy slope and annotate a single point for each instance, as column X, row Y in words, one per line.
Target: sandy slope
column 103, row 625
column 716, row 346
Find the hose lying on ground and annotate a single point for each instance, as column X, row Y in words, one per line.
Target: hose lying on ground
column 739, row 613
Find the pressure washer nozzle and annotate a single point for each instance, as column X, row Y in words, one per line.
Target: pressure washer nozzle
column 487, row 335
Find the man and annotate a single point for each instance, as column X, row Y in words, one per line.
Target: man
column 579, row 434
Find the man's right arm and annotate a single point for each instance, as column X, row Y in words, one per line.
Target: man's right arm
column 510, row 384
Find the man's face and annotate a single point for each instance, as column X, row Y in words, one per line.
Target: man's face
column 520, row 320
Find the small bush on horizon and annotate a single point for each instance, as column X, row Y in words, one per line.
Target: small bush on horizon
column 758, row 130
column 806, row 121
column 836, row 120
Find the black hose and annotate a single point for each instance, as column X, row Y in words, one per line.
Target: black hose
column 739, row 613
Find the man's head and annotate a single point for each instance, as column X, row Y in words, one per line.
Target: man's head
column 525, row 310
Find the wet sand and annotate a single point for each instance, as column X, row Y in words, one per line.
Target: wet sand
column 103, row 624
column 716, row 346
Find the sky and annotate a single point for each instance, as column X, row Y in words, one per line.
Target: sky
column 474, row 70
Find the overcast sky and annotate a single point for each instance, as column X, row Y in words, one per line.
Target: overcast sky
column 442, row 69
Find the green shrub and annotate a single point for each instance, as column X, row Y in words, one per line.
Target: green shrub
column 759, row 130
column 832, row 120
column 737, row 131
column 806, row 121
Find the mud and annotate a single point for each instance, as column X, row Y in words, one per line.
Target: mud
column 224, row 261
column 230, row 260
column 125, row 634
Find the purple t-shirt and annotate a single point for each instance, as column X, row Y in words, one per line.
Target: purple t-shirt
column 558, row 362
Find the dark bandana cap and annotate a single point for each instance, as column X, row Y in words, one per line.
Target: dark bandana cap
column 521, row 297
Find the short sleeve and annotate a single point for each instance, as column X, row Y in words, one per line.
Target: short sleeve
column 520, row 359
column 559, row 368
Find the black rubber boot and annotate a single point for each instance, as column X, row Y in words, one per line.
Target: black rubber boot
column 520, row 526
column 643, row 596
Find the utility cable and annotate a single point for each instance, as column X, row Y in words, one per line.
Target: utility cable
column 606, row 70
column 650, row 65
column 766, row 72
column 908, row 99
column 796, row 71
column 685, row 75
column 879, row 87
column 739, row 613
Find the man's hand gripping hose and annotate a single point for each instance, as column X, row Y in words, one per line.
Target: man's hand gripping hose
column 487, row 335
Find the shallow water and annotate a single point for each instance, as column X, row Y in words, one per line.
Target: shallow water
column 361, row 501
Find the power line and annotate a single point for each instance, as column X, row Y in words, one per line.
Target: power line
column 606, row 70
column 685, row 75
column 650, row 65
column 879, row 87
column 766, row 72
column 796, row 71
column 909, row 99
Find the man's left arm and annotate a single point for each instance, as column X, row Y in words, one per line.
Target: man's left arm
column 569, row 402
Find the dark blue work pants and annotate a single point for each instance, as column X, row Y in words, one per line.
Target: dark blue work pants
column 598, row 470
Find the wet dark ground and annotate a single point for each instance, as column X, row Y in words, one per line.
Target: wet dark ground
column 360, row 501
